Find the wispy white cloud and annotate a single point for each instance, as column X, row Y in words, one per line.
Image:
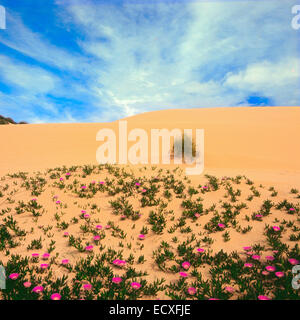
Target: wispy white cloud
column 35, row 45
column 136, row 58
column 29, row 86
column 27, row 77
column 277, row 80
column 175, row 55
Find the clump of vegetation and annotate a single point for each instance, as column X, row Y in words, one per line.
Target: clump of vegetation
column 185, row 146
column 4, row 120
column 103, row 220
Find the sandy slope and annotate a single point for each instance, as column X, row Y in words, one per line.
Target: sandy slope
column 261, row 142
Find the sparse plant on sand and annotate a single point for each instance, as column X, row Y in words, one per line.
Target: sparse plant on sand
column 100, row 231
column 184, row 146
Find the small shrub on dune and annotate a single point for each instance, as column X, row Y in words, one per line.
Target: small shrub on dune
column 184, row 146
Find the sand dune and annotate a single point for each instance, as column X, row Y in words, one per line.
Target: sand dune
column 262, row 141
column 105, row 210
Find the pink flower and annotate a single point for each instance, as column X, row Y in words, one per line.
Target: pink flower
column 137, row 184
column 185, row 265
column 213, row 299
column 144, row 190
column 123, row 217
column 248, row 265
column 191, row 290
column 34, row 199
column 122, row 263
column 249, row 253
column 270, row 258
column 200, row 250
column 247, row 248
column 89, row 248
column 279, row 274
column 101, row 182
column 291, row 209
column 83, row 211
column 197, row 215
column 55, row 296
column 86, row 216
column 66, row 234
column 58, row 202
column 99, row 227
column 116, row 280
column 68, row 174
column 141, row 236
column 270, row 268
column 46, row 256
column 61, row 179
column 293, row 261
column 14, row 276
column 256, row 257
column 37, row 289
column 263, row 298
column 44, row 266
column 27, row 284
column 135, row 285
column 229, row 289
column 258, row 216
column 83, row 187
column 221, row 225
column 119, row 262
column 107, row 226
column 87, row 286
column 183, row 274
column 64, row 261
column 96, row 238
column 276, row 228
column 35, row 255
column 265, row 273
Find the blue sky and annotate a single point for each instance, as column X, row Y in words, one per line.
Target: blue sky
column 96, row 61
